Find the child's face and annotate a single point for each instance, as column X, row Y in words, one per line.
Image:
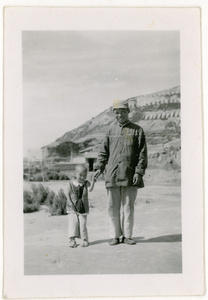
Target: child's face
column 81, row 175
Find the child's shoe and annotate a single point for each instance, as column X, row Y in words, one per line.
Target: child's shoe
column 84, row 243
column 72, row 243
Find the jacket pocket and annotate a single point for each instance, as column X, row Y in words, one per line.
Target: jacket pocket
column 125, row 172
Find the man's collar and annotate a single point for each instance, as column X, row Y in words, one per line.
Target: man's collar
column 124, row 124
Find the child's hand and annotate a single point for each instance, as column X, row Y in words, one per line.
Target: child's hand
column 92, row 185
column 88, row 184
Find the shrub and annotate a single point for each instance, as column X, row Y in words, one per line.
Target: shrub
column 33, row 188
column 42, row 193
column 50, row 175
column 58, row 207
column 31, row 203
column 63, row 176
column 55, row 176
column 34, row 198
column 38, row 177
column 36, row 170
column 49, row 199
column 25, row 176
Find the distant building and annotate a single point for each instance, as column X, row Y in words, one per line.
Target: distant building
column 78, row 160
column 91, row 159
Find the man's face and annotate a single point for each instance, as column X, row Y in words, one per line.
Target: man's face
column 121, row 115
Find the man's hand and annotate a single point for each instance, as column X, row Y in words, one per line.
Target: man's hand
column 137, row 179
column 96, row 174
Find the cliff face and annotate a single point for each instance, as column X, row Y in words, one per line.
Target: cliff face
column 158, row 114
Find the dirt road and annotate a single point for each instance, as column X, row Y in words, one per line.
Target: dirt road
column 157, row 231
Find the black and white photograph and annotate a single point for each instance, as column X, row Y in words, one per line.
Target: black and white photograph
column 105, row 141
column 104, row 103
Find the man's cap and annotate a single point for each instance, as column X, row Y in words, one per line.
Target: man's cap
column 120, row 104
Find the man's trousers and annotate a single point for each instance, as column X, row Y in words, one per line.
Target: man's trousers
column 121, row 210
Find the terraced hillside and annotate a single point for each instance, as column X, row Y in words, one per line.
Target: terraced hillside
column 159, row 115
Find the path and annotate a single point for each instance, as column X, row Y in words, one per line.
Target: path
column 157, row 232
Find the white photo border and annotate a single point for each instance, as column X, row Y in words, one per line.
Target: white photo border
column 191, row 281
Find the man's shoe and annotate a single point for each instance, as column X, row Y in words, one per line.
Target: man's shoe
column 114, row 242
column 122, row 239
column 129, row 241
column 84, row 243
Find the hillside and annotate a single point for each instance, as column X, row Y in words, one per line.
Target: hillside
column 159, row 115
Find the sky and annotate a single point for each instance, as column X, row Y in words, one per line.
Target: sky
column 71, row 76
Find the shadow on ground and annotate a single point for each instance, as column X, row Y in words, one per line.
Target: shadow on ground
column 99, row 242
column 160, row 239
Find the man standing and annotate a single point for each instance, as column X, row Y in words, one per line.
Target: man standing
column 123, row 155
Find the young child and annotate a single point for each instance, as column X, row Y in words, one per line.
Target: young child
column 78, row 207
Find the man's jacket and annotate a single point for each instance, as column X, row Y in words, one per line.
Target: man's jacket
column 122, row 154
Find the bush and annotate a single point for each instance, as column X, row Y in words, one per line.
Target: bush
column 55, row 176
column 49, row 199
column 50, row 175
column 35, row 193
column 42, row 193
column 31, row 203
column 33, row 199
column 58, row 204
column 63, row 176
column 38, row 177
column 26, row 176
column 35, row 170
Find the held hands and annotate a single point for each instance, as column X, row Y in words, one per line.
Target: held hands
column 91, row 186
column 94, row 178
column 137, row 179
column 96, row 175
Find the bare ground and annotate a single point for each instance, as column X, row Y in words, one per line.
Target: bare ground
column 157, row 231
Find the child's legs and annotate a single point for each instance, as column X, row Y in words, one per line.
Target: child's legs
column 73, row 225
column 83, row 227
